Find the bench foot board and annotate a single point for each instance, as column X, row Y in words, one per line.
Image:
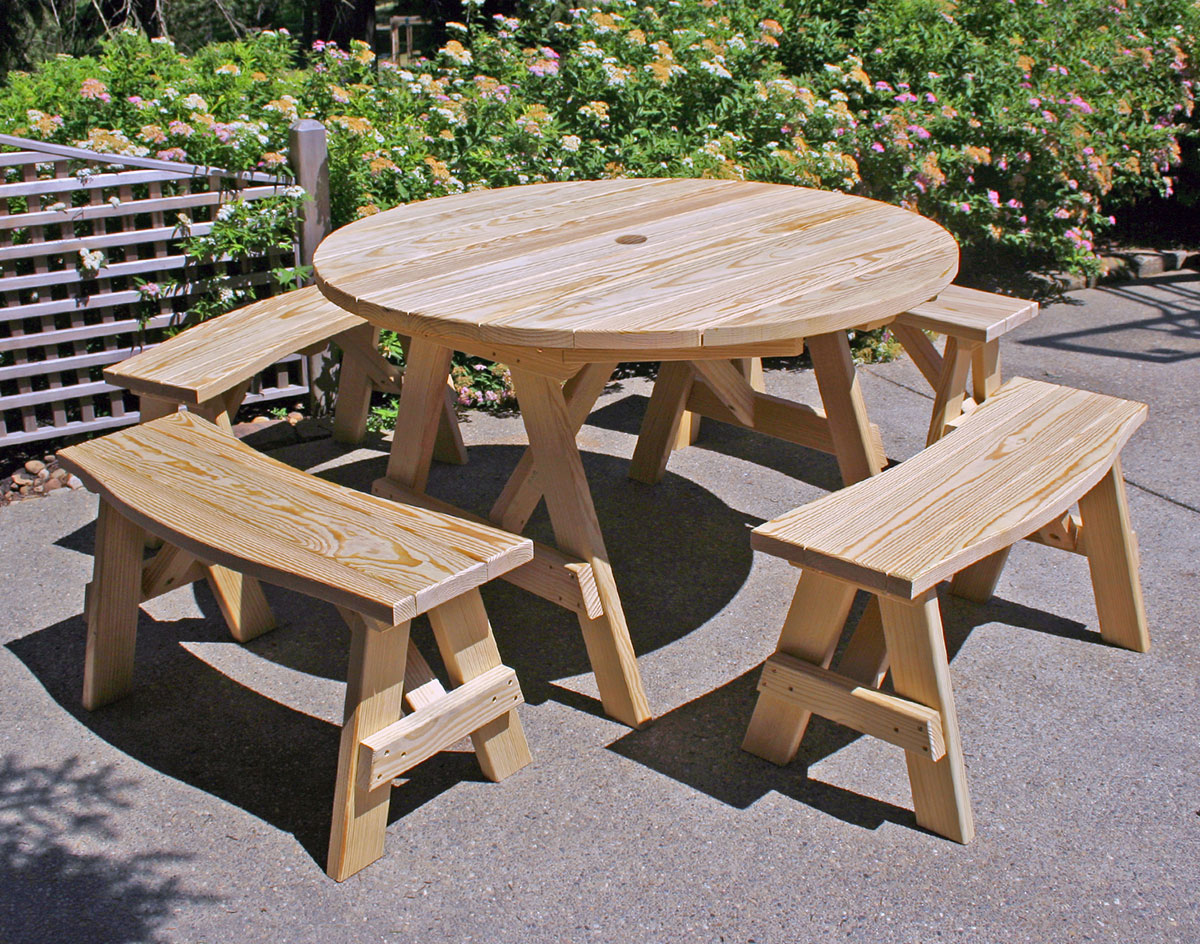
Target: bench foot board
column 418, row 736
column 810, row 633
column 906, row 724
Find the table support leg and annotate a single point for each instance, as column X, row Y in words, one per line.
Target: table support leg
column 866, row 655
column 522, row 493
column 848, row 425
column 573, row 516
column 666, row 424
column 422, row 401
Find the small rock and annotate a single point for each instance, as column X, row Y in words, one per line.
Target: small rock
column 1147, row 263
column 42, row 476
column 75, row 482
column 39, row 490
column 60, row 475
column 20, row 479
column 34, row 466
column 261, row 419
column 53, row 483
column 25, row 489
column 294, row 417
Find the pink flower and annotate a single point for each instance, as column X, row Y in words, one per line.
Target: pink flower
column 906, row 97
column 993, row 198
column 878, row 147
column 172, row 154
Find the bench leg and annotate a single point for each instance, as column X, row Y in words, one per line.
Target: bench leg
column 242, row 602
column 152, row 408
column 951, row 388
column 468, row 648
column 810, row 632
column 920, row 673
column 866, row 657
column 353, row 403
column 985, row 370
column 978, row 581
column 111, row 608
column 374, row 686
column 1112, row 554
column 667, row 424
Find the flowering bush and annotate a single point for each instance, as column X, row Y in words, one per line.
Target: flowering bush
column 1017, row 124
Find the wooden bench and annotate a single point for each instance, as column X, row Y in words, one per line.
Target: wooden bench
column 208, row 368
column 1030, row 451
column 972, row 321
column 217, row 503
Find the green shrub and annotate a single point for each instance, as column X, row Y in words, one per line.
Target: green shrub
column 1017, row 124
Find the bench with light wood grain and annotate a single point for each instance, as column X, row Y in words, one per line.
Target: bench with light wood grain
column 973, row 323
column 209, row 367
column 218, row 504
column 1029, row 452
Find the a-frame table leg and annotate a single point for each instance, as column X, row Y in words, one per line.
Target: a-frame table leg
column 561, row 478
column 866, row 656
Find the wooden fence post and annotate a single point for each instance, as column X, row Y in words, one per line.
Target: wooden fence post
column 309, row 158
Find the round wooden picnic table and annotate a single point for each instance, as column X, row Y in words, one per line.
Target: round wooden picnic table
column 563, row 281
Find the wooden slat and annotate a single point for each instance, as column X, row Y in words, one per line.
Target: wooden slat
column 104, row 211
column 901, row 722
column 1026, row 454
column 261, row 517
column 60, row 247
column 431, row 729
column 128, row 160
column 551, row 574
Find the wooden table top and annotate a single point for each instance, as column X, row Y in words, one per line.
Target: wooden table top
column 635, row 265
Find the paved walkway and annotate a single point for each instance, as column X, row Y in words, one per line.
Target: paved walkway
column 197, row 809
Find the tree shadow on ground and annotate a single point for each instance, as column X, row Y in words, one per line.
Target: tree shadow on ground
column 1169, row 333
column 55, row 890
column 191, row 722
column 699, row 743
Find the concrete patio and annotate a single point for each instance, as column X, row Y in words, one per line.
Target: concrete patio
column 197, row 810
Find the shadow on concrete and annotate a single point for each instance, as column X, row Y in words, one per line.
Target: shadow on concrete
column 804, row 465
column 53, row 890
column 191, row 722
column 699, row 743
column 1168, row 334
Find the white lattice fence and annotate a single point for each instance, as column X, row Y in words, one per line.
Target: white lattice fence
column 61, row 322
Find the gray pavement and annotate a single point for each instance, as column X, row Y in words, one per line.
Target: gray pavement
column 197, row 809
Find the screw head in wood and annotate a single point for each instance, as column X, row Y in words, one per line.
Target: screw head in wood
column 631, row 239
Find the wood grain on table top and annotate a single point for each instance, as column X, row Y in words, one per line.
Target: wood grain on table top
column 636, row 265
